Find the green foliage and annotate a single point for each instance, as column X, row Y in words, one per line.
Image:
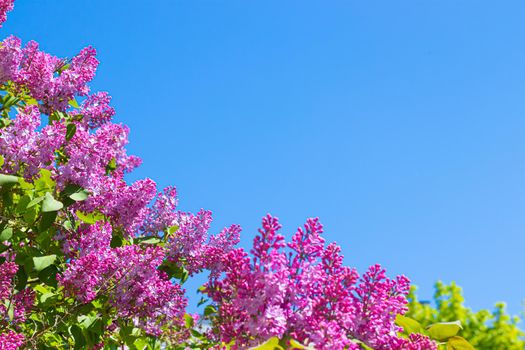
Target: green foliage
column 444, row 333
column 485, row 330
column 270, row 344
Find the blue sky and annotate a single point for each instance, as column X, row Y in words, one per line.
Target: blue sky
column 399, row 123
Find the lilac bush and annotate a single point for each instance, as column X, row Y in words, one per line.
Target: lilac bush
column 90, row 261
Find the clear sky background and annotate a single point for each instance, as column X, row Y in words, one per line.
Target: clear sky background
column 400, row 124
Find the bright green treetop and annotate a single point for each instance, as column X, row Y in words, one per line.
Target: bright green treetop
column 485, row 330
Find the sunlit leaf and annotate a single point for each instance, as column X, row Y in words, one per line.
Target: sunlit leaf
column 51, row 204
column 6, row 234
column 458, row 343
column 8, row 180
column 89, row 218
column 270, row 344
column 409, row 325
column 444, row 330
column 41, row 262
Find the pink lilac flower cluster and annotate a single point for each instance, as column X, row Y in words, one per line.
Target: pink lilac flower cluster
column 128, row 275
column 191, row 246
column 89, row 154
column 20, row 303
column 5, row 6
column 25, row 148
column 52, row 80
column 49, row 79
column 10, row 57
column 96, row 110
column 11, row 340
column 302, row 290
column 7, row 272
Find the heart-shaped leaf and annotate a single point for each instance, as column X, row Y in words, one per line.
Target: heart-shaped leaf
column 41, row 262
column 79, row 196
column 51, row 204
column 6, row 234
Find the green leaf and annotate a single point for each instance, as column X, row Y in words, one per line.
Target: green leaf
column 141, row 343
column 44, row 182
column 409, row 325
column 76, row 333
column 112, row 165
column 6, row 234
column 23, row 202
column 444, row 330
column 8, row 180
column 68, row 225
column 46, row 296
column 47, row 220
column 41, row 262
column 270, row 344
column 79, row 196
column 63, row 68
column 362, row 345
column 188, row 321
column 148, row 240
column 89, row 218
column 35, row 201
column 21, row 278
column 51, row 204
column 202, row 301
column 458, row 343
column 210, row 310
column 1, row 160
column 31, row 101
column 70, row 131
column 73, row 103
column 41, row 289
column 87, row 320
column 73, row 193
column 49, row 275
column 10, row 309
column 297, row 345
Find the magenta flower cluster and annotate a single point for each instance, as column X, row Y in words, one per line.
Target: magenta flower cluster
column 52, row 80
column 18, row 304
column 5, row 7
column 302, row 290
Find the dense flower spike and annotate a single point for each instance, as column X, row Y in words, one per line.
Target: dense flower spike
column 7, row 272
column 11, row 340
column 96, row 110
column 5, row 6
column 129, row 277
column 10, row 58
column 306, row 293
column 18, row 302
column 190, row 246
column 162, row 214
column 27, row 150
